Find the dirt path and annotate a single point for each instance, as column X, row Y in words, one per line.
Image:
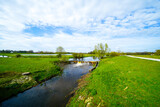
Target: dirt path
column 144, row 58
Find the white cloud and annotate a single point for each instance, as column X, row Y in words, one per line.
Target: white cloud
column 78, row 43
column 125, row 19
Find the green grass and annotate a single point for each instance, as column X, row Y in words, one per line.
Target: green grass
column 11, row 70
column 89, row 55
column 28, row 56
column 42, row 56
column 121, row 81
column 149, row 56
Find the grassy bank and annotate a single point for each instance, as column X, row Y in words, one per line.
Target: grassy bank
column 121, row 81
column 11, row 69
column 149, row 56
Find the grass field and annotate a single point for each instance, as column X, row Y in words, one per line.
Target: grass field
column 41, row 56
column 149, row 56
column 11, row 69
column 28, row 56
column 121, row 81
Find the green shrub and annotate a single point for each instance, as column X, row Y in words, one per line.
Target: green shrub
column 93, row 92
column 59, row 55
column 77, row 55
column 114, row 54
column 18, row 55
column 157, row 52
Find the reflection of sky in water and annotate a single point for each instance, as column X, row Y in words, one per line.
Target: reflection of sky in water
column 3, row 56
column 85, row 59
column 52, row 92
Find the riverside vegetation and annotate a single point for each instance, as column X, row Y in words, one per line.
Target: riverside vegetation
column 40, row 67
column 120, row 81
column 116, row 81
column 11, row 79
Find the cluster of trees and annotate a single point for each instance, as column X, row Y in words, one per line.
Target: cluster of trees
column 101, row 50
column 157, row 52
column 44, row 52
column 78, row 55
column 139, row 53
column 14, row 51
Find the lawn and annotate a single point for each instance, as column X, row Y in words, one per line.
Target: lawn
column 149, row 56
column 11, row 69
column 121, row 81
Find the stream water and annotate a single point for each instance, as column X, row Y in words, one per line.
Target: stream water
column 52, row 93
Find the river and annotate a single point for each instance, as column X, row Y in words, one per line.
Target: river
column 54, row 92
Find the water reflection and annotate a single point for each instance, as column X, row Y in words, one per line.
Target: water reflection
column 84, row 59
column 53, row 92
column 3, row 56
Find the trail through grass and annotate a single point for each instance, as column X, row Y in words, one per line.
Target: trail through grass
column 149, row 56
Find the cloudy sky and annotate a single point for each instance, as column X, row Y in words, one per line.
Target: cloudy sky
column 77, row 25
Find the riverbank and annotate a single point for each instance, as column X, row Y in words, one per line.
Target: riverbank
column 53, row 92
column 120, row 81
column 12, row 81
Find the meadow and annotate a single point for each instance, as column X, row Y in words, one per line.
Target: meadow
column 11, row 79
column 120, row 81
column 24, row 55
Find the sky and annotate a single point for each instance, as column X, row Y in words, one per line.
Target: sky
column 78, row 25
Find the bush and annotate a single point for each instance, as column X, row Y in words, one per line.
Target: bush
column 18, row 55
column 114, row 54
column 157, row 52
column 59, row 55
column 77, row 55
column 64, row 58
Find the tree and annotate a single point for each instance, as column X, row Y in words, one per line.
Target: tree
column 157, row 52
column 101, row 49
column 59, row 51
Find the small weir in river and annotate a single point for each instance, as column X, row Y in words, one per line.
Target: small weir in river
column 54, row 92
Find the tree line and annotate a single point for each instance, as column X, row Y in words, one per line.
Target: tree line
column 16, row 51
column 101, row 50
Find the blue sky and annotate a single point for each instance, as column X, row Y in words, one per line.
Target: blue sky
column 78, row 25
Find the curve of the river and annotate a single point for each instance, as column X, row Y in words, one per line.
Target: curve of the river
column 53, row 92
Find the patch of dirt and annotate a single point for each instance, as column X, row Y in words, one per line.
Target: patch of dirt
column 8, row 74
column 82, row 81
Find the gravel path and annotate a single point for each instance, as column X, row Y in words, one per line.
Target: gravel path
column 144, row 58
